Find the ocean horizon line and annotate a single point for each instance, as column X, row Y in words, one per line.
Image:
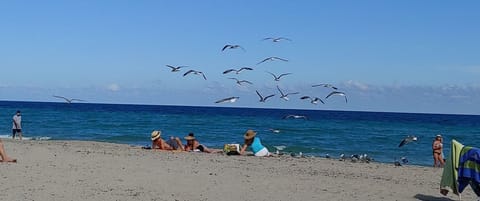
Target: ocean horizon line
column 242, row 107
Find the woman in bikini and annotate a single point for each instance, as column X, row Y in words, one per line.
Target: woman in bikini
column 437, row 148
column 195, row 146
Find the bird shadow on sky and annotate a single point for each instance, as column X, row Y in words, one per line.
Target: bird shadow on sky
column 431, row 198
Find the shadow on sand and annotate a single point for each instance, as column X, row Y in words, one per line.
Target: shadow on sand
column 431, row 198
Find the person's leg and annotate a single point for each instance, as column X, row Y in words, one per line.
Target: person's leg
column 179, row 143
column 208, row 150
column 434, row 159
column 437, row 160
column 14, row 131
column 20, row 134
column 4, row 156
column 440, row 160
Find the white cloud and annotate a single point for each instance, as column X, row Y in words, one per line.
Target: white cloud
column 113, row 87
column 459, row 96
column 356, row 85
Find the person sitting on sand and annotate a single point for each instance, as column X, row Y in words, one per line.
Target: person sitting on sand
column 195, row 146
column 437, row 147
column 171, row 144
column 254, row 143
column 4, row 156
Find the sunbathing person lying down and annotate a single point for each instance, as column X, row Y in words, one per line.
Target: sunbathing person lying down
column 171, row 144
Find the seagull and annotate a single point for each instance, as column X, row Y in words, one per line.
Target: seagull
column 237, row 71
column 404, row 160
column 342, row 157
column 228, row 100
column 354, row 159
column 295, row 117
column 232, row 47
column 239, row 82
column 396, row 162
column 263, row 99
column 278, row 78
column 196, row 73
column 337, row 93
column 68, row 100
column 313, row 100
column 325, row 85
column 280, row 148
column 407, row 140
column 327, row 156
column 272, row 59
column 285, row 96
column 276, row 39
column 175, row 68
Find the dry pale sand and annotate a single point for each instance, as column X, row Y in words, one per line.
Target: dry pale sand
column 73, row 170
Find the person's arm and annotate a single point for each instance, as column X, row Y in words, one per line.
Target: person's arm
column 179, row 143
column 15, row 123
column 195, row 144
column 165, row 146
column 161, row 145
column 187, row 148
column 244, row 148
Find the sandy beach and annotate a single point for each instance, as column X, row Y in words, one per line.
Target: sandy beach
column 77, row 170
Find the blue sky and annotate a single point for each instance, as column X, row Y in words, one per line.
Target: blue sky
column 399, row 56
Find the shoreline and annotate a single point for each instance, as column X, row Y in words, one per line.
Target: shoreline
column 87, row 170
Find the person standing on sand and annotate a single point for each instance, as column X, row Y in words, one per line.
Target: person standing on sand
column 255, row 144
column 437, row 148
column 17, row 125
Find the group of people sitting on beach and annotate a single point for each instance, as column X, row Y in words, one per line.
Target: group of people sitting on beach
column 193, row 145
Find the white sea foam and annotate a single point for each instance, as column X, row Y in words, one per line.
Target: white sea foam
column 27, row 138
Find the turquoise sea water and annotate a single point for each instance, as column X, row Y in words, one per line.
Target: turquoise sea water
column 325, row 132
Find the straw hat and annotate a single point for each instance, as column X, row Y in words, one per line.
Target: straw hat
column 156, row 135
column 189, row 137
column 249, row 134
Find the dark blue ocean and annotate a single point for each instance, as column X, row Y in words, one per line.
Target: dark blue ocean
column 376, row 134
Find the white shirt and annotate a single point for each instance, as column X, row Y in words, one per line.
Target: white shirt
column 18, row 120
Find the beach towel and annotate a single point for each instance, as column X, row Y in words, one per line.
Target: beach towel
column 469, row 169
column 450, row 173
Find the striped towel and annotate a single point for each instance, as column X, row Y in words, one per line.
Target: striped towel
column 468, row 168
